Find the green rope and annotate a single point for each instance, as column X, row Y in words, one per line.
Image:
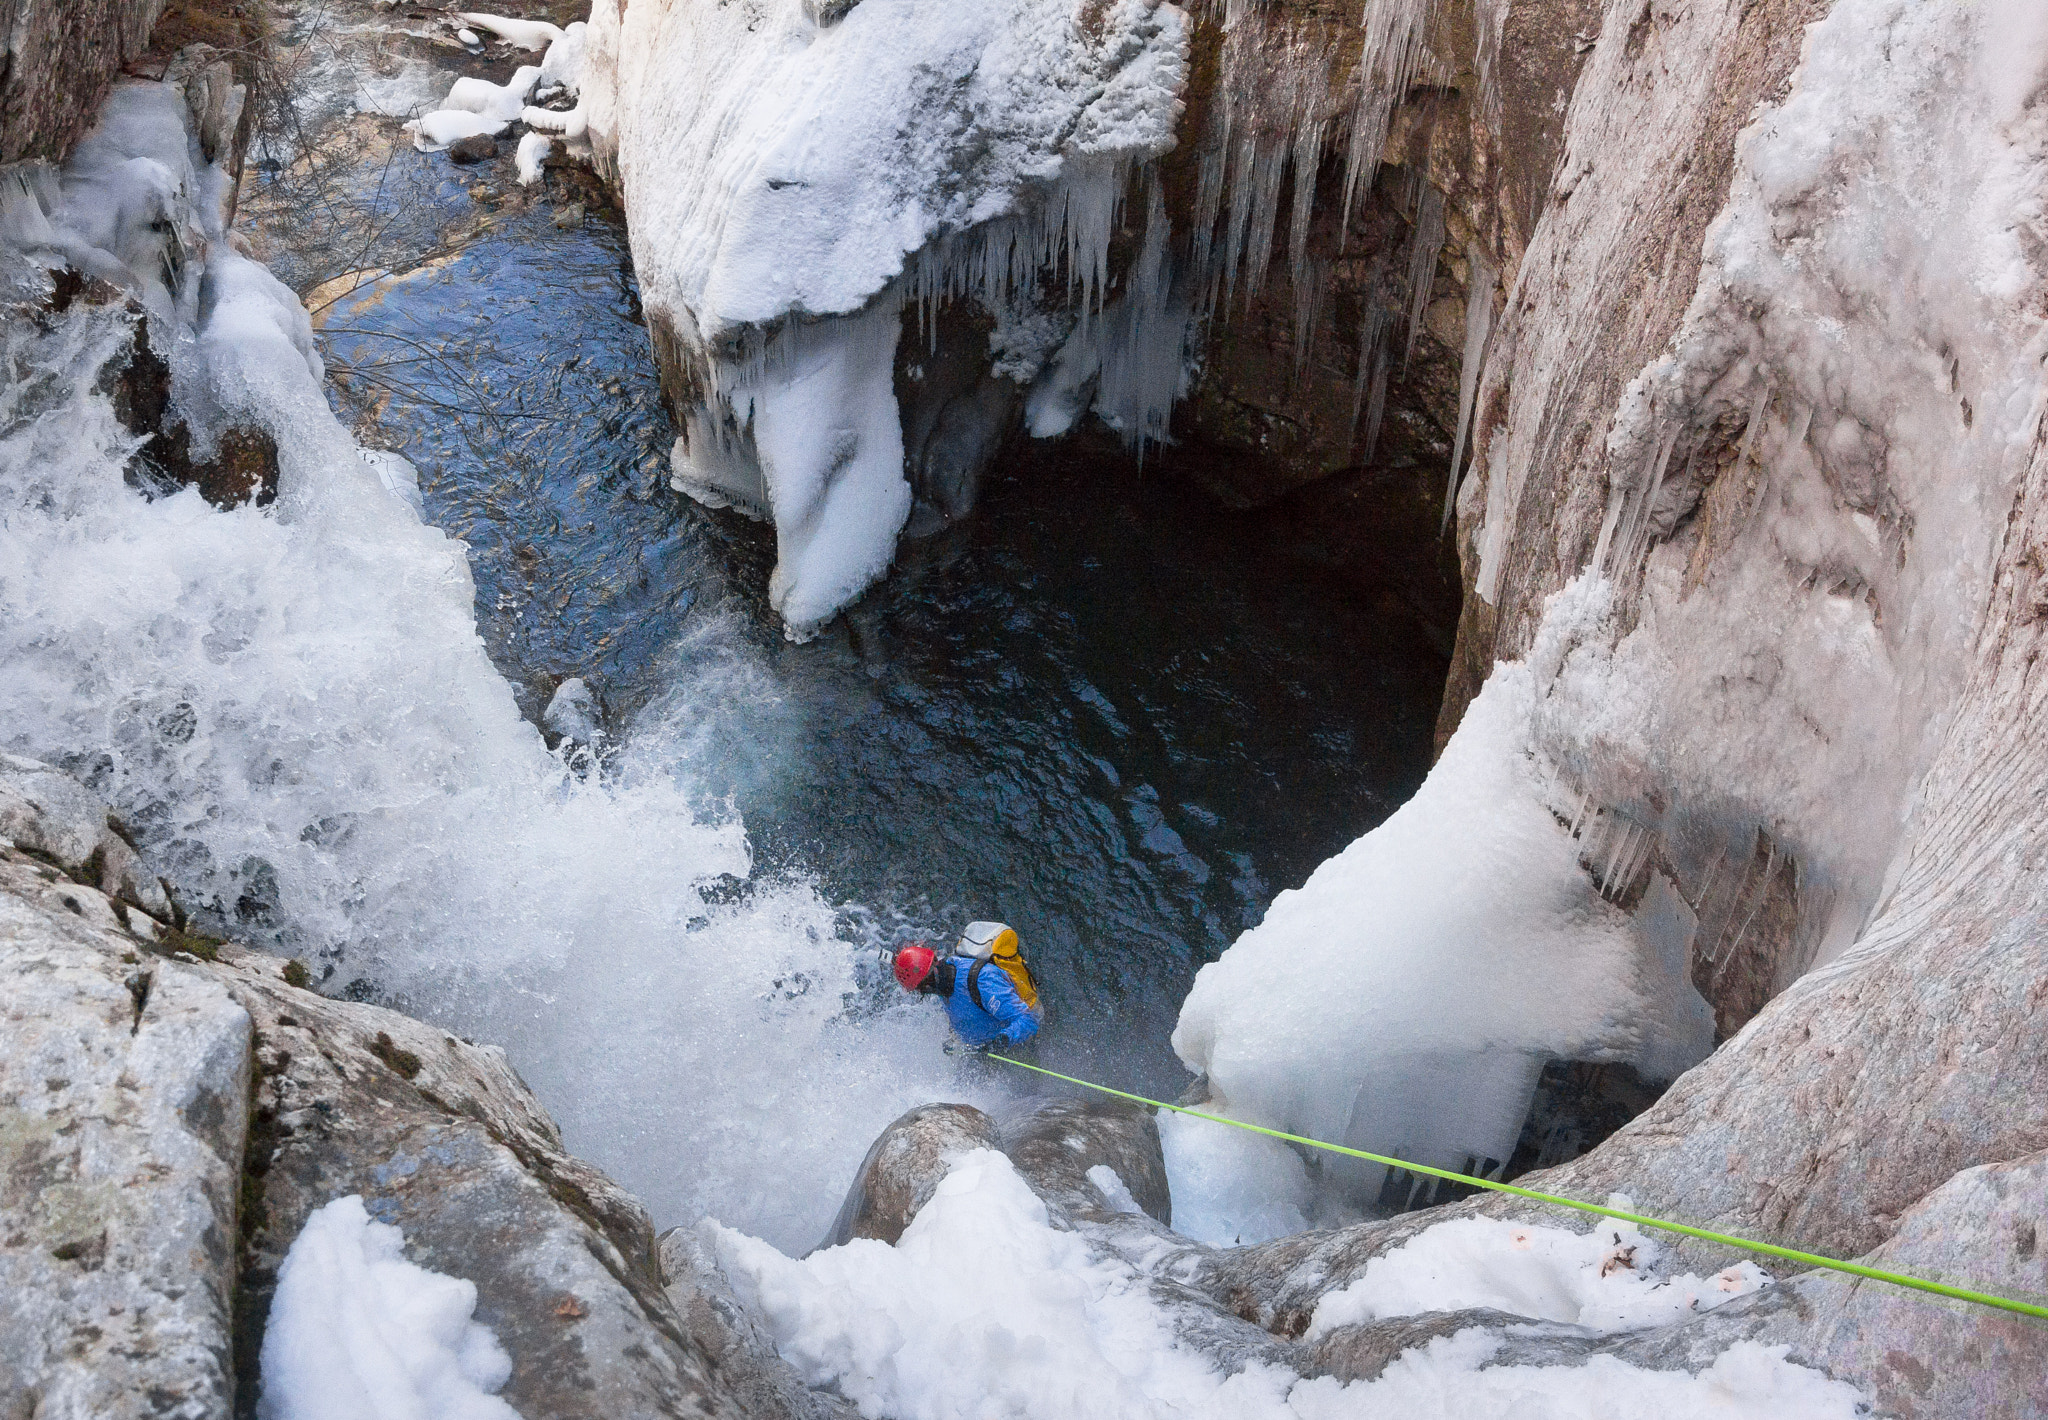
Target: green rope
column 1854, row 1269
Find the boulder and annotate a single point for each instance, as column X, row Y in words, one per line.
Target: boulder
column 1056, row 1144
column 477, row 148
column 904, row 1165
column 49, row 815
column 742, row 1354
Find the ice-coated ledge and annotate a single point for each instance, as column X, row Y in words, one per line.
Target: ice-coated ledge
column 774, row 166
column 783, row 164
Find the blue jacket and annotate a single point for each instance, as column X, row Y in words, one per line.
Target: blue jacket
column 1007, row 1017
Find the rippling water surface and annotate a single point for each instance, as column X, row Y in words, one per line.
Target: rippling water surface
column 1104, row 710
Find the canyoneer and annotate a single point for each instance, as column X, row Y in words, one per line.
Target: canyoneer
column 991, row 998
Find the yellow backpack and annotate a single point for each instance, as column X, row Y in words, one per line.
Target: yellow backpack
column 994, row 942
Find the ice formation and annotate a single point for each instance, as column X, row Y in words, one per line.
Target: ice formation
column 293, row 711
column 986, row 1307
column 1857, row 330
column 1406, row 997
column 522, row 34
column 434, row 131
column 786, row 166
column 531, row 157
column 502, row 101
column 476, row 106
column 1859, row 386
column 805, row 180
column 356, row 1332
column 1231, row 1187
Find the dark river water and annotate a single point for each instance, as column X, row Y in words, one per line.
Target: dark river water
column 1104, row 710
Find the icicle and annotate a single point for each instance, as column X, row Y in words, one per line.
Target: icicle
column 1376, row 402
column 1308, row 153
column 1756, row 419
column 1144, row 362
column 1478, row 327
column 1311, row 286
column 1372, row 338
column 1422, row 254
column 1491, row 17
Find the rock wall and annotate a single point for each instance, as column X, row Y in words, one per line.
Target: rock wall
column 60, row 61
column 1764, row 385
column 1810, row 466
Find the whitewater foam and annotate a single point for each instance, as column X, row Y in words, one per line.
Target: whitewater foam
column 293, row 711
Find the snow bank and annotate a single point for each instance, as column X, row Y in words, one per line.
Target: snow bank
column 1605, row 1280
column 780, row 176
column 1405, row 998
column 524, row 34
column 984, row 1308
column 358, row 1333
column 292, row 710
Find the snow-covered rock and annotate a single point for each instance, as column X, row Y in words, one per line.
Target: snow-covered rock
column 355, row 1329
column 791, row 182
column 995, row 1295
column 904, row 1165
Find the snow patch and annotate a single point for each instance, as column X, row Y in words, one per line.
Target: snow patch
column 984, row 1308
column 1109, row 1183
column 356, row 1332
column 1606, row 1280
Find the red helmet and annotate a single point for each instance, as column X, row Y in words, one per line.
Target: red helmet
column 914, row 964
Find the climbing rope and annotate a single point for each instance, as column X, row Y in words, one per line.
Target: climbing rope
column 1810, row 1259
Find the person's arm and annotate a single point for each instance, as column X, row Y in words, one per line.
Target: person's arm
column 1017, row 1020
